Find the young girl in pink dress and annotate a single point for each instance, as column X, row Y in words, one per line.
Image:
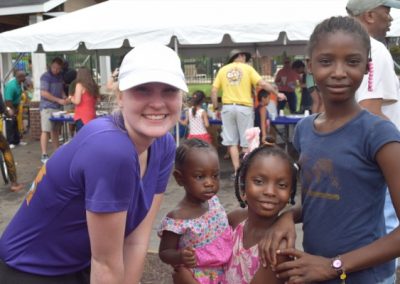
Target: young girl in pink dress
column 263, row 183
column 197, row 118
column 196, row 234
column 84, row 98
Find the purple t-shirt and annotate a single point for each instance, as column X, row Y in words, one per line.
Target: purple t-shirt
column 54, row 85
column 49, row 234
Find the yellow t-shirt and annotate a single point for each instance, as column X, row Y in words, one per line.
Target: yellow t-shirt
column 236, row 80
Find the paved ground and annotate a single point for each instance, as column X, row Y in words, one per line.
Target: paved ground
column 28, row 163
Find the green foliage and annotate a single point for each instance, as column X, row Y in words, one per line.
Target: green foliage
column 206, row 88
column 395, row 51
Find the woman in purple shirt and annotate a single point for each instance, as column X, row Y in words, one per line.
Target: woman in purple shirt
column 99, row 215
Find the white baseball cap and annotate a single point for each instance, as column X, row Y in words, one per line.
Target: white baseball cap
column 357, row 7
column 151, row 62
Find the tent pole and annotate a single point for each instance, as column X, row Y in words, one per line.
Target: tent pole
column 177, row 124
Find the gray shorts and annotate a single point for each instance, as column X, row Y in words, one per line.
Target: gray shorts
column 45, row 123
column 235, row 120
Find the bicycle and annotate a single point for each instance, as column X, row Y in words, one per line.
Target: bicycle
column 3, row 169
column 3, row 165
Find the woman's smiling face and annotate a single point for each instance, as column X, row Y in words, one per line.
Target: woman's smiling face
column 150, row 110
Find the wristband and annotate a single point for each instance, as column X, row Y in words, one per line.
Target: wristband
column 337, row 265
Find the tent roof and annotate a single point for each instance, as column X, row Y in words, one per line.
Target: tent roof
column 196, row 25
column 16, row 7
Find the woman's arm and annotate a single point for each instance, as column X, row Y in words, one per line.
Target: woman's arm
column 107, row 263
column 136, row 244
column 77, row 97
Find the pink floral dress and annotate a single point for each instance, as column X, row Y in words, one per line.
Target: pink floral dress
column 244, row 262
column 211, row 237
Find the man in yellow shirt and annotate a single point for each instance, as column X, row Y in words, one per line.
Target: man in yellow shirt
column 236, row 80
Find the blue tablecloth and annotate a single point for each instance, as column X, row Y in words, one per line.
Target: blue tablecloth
column 62, row 119
column 284, row 120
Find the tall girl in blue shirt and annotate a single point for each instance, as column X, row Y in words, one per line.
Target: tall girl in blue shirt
column 347, row 155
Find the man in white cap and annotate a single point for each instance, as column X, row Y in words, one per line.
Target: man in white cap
column 382, row 95
column 236, row 79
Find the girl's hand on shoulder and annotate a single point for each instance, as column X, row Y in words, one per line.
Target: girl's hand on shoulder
column 188, row 257
column 283, row 229
column 304, row 267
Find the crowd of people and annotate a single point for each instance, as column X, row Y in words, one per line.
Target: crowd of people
column 93, row 224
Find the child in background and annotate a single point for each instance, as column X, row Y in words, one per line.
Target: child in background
column 84, row 98
column 347, row 156
column 197, row 119
column 196, row 234
column 263, row 183
column 261, row 119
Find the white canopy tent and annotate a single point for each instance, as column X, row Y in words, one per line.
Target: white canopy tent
column 191, row 27
column 195, row 27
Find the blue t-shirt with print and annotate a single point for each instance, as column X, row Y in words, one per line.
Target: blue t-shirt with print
column 343, row 189
column 100, row 173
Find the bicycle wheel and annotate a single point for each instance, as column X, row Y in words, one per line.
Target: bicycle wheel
column 3, row 169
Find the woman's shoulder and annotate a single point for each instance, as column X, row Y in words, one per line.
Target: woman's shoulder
column 165, row 143
column 104, row 132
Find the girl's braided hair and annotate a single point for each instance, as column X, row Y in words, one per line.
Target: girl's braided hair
column 335, row 24
column 186, row 146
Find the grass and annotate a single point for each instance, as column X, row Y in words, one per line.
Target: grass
column 206, row 88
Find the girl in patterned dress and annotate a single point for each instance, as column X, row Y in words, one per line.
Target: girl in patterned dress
column 196, row 233
column 263, row 183
column 197, row 118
